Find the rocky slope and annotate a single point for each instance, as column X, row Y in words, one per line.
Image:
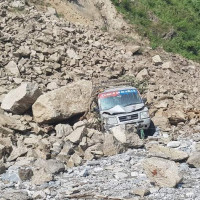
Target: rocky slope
column 47, row 67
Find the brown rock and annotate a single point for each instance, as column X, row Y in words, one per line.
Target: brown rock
column 194, row 160
column 63, row 103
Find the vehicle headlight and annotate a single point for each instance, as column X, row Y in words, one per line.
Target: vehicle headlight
column 111, row 120
column 144, row 115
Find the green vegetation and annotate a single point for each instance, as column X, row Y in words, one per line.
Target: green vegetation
column 172, row 24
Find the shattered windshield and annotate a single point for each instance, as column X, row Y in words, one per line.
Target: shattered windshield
column 123, row 98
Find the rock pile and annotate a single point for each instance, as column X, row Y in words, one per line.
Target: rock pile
column 47, row 66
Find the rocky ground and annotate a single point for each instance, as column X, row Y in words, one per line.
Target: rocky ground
column 48, row 150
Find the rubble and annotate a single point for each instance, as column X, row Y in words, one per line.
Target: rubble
column 51, row 151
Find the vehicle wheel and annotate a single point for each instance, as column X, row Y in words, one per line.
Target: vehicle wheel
column 151, row 130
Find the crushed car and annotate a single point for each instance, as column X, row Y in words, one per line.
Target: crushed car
column 124, row 105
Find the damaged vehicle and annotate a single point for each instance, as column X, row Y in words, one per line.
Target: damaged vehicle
column 124, row 105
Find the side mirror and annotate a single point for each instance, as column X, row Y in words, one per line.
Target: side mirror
column 144, row 100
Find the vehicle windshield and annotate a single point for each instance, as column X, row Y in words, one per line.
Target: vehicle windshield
column 122, row 97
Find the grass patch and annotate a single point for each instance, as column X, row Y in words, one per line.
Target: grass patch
column 172, row 24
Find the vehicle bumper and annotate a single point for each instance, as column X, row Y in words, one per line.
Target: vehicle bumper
column 139, row 124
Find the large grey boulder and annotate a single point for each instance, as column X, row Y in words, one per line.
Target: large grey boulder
column 168, row 153
column 194, row 160
column 19, row 100
column 127, row 136
column 63, row 103
column 164, row 173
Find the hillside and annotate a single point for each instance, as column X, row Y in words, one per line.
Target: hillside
column 172, row 24
column 49, row 149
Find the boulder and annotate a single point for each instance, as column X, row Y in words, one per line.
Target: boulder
column 164, row 173
column 142, row 75
column 176, row 116
column 77, row 135
column 17, row 152
column 7, row 123
column 111, row 146
column 63, row 103
column 63, row 130
column 25, row 173
column 161, row 121
column 51, row 166
column 19, row 100
column 12, row 69
column 168, row 153
column 41, row 176
column 127, row 135
column 174, row 144
column 194, row 160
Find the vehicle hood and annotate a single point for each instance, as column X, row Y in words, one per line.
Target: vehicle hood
column 120, row 109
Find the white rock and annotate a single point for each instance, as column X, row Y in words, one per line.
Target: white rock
column 174, row 144
column 12, row 69
column 157, row 60
column 21, row 99
column 142, row 75
column 63, row 130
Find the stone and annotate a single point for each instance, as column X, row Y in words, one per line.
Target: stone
column 133, row 49
column 12, row 69
column 164, row 173
column 17, row 195
column 111, row 146
column 25, row 173
column 142, row 75
column 2, row 151
column 121, row 175
column 63, row 103
column 168, row 153
column 63, row 130
column 174, row 144
column 74, row 160
column 168, row 65
column 2, row 168
column 72, row 54
column 157, row 60
column 161, row 121
column 41, row 176
column 21, row 99
column 176, row 116
column 11, row 123
column 127, row 135
column 17, row 152
column 77, row 135
column 19, row 4
column 51, row 166
column 141, row 191
column 52, row 86
column 194, row 160
column 51, row 11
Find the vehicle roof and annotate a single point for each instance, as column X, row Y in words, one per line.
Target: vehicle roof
column 118, row 88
